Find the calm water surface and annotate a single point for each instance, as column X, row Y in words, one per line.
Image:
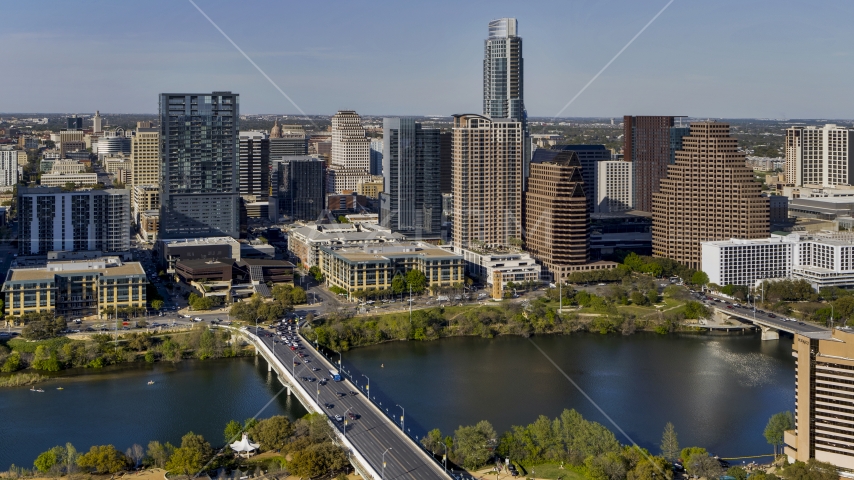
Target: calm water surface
column 117, row 406
column 717, row 390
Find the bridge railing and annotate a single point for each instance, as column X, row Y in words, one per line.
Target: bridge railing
column 379, row 406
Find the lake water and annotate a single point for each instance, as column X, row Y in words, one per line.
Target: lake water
column 717, row 390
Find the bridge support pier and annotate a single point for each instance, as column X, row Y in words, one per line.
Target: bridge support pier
column 769, row 333
column 269, row 367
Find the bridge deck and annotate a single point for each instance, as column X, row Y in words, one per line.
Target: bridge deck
column 368, row 436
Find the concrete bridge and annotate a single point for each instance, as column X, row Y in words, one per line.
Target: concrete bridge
column 378, row 448
column 770, row 326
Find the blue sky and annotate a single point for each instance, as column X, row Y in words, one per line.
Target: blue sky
column 727, row 58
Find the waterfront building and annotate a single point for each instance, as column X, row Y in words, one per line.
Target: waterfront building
column 372, row 268
column 488, row 176
column 145, row 155
column 819, row 156
column 254, row 163
column 651, row 143
column 709, row 194
column 199, row 186
column 304, row 243
column 411, row 202
column 503, row 71
column 61, row 179
column 743, row 262
column 498, row 268
column 300, row 186
column 75, row 288
column 824, row 407
column 53, row 220
column 614, row 187
column 556, row 216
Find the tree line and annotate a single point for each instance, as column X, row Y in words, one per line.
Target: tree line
column 590, row 449
column 58, row 353
column 305, row 449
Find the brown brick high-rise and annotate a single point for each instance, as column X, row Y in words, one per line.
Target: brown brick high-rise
column 647, row 146
column 709, row 194
column 556, row 215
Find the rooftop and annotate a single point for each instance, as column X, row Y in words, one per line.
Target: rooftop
column 384, row 252
column 198, row 241
column 106, row 266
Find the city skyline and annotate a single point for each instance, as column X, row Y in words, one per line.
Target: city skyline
column 746, row 68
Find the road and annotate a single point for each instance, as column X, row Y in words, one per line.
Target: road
column 372, row 432
column 780, row 322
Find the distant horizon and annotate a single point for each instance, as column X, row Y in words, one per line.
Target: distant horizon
column 530, row 118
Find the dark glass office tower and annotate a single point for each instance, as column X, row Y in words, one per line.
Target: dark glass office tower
column 198, row 164
column 300, row 183
column 411, row 202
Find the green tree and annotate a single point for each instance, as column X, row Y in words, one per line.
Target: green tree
column 416, row 280
column 699, row 278
column 45, row 359
column 652, row 296
column 159, row 453
column 669, row 443
column 737, row 473
column 316, row 273
column 398, row 284
column 103, row 459
column 688, row 452
column 298, row 296
column 471, row 444
column 704, row 466
column 696, row 310
column 157, row 304
column 433, row 441
column 638, row 298
column 191, row 456
column 272, row 433
column 811, row 470
column 232, row 432
column 777, row 424
column 46, row 461
column 12, row 364
column 651, row 468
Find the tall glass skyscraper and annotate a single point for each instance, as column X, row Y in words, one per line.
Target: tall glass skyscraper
column 198, row 164
column 503, row 71
column 411, row 202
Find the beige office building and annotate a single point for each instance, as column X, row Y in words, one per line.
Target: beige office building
column 487, row 156
column 60, row 179
column 145, row 155
column 556, row 215
column 819, row 156
column 709, row 194
column 824, row 400
column 70, row 141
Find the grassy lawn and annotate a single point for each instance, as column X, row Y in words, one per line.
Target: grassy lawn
column 553, row 471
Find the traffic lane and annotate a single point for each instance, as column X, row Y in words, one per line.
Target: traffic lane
column 748, row 313
column 372, row 433
column 384, row 430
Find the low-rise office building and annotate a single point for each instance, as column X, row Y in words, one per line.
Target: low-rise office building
column 170, row 251
column 824, row 259
column 61, row 179
column 824, row 400
column 372, row 268
column 304, row 243
column 75, row 288
column 149, row 222
column 500, row 268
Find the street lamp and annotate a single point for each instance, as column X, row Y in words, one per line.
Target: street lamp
column 383, row 473
column 294, row 367
column 445, row 457
column 402, row 415
column 340, row 358
column 368, row 388
column 345, row 421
